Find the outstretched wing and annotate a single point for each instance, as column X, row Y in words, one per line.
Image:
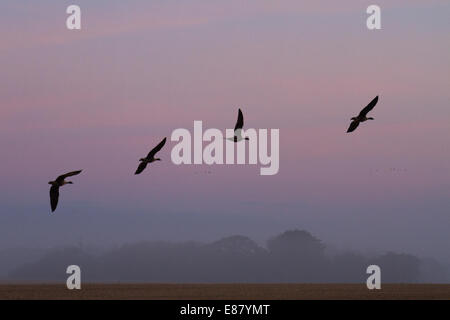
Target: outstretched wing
column 240, row 121
column 69, row 174
column 54, row 195
column 152, row 153
column 141, row 167
column 369, row 107
column 353, row 126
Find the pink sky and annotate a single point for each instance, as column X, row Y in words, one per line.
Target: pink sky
column 98, row 99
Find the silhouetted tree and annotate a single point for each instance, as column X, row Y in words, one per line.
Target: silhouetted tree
column 349, row 267
column 296, row 242
column 297, row 256
column 403, row 268
column 293, row 256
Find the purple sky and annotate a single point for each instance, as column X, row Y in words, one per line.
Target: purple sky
column 98, row 99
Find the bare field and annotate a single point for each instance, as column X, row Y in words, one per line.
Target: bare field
column 225, row 291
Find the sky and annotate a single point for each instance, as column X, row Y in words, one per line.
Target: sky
column 100, row 98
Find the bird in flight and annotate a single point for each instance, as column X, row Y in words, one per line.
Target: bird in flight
column 150, row 157
column 238, row 128
column 362, row 115
column 59, row 182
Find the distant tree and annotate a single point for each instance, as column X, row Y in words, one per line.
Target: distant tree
column 349, row 267
column 431, row 271
column 237, row 245
column 52, row 266
column 293, row 256
column 399, row 268
column 297, row 256
column 296, row 242
column 236, row 259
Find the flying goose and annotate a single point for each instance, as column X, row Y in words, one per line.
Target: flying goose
column 150, row 157
column 238, row 128
column 362, row 115
column 59, row 182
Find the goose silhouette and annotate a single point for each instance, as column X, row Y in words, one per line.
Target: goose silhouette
column 59, row 182
column 362, row 115
column 150, row 157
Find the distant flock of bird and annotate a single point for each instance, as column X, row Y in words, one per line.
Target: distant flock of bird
column 61, row 180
